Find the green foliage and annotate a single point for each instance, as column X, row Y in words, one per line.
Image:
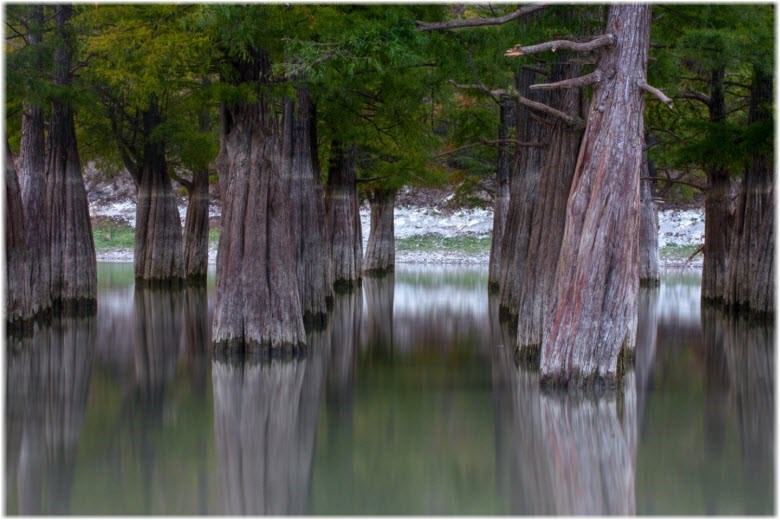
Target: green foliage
column 110, row 235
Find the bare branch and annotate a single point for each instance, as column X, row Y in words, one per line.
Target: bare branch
column 700, row 249
column 675, row 181
column 479, row 22
column 657, row 93
column 698, row 96
column 601, row 41
column 587, row 79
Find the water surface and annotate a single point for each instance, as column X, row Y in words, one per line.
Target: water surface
column 409, row 403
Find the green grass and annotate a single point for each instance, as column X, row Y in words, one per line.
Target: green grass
column 672, row 251
column 465, row 244
column 213, row 236
column 110, row 235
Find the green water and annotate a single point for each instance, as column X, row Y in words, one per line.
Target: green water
column 409, row 403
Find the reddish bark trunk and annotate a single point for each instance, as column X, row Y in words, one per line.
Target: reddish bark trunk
column 597, row 277
column 751, row 258
column 649, row 275
column 196, row 229
column 343, row 218
column 501, row 200
column 380, row 249
column 257, row 287
column 17, row 267
column 73, row 264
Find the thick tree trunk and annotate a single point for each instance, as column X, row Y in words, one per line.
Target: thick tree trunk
column 73, row 263
column 717, row 209
column 196, row 229
column 751, row 258
column 380, row 249
column 537, row 282
column 597, row 276
column 524, row 190
column 501, row 200
column 158, row 241
column 18, row 309
column 257, row 302
column 312, row 252
column 649, row 275
column 343, row 218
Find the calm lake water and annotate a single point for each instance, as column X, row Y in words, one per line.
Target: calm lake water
column 409, row 403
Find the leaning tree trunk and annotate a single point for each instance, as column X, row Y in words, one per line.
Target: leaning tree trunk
column 537, row 282
column 501, row 200
column 343, row 218
column 751, row 258
column 649, row 275
column 524, row 190
column 380, row 250
column 257, row 288
column 17, row 280
column 158, row 242
column 73, row 263
column 597, row 276
column 717, row 209
column 196, row 228
column 312, row 253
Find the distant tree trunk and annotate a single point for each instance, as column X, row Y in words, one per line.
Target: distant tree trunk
column 257, row 287
column 73, row 263
column 597, row 277
column 537, row 282
column 312, row 252
column 717, row 208
column 751, row 258
column 343, row 217
column 17, row 263
column 158, row 241
column 32, row 179
column 380, row 250
column 501, row 200
column 196, row 228
column 649, row 275
column 524, row 190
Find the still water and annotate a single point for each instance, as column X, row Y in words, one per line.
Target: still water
column 409, row 403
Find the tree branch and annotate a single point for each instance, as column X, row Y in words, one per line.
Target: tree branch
column 698, row 96
column 601, row 41
column 657, row 93
column 479, row 22
column 587, row 79
column 675, row 181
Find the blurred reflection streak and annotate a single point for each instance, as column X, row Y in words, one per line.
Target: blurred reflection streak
column 379, row 292
column 265, row 419
column 48, row 384
column 646, row 343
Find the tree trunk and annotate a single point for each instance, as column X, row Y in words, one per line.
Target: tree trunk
column 312, row 253
column 17, row 275
column 501, row 200
column 343, row 217
column 196, row 229
column 73, row 263
column 751, row 258
column 380, row 250
column 32, row 179
column 717, row 209
column 158, row 241
column 649, row 275
column 597, row 277
column 257, row 302
column 524, row 190
column 537, row 282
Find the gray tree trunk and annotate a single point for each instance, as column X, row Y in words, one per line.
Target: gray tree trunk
column 501, row 200
column 196, row 229
column 751, row 258
column 343, row 217
column 73, row 263
column 537, row 282
column 649, row 274
column 380, row 249
column 257, row 302
column 597, row 276
column 17, row 263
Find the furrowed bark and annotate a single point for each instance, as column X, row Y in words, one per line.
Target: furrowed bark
column 717, row 208
column 597, row 277
column 312, row 253
column 196, row 229
column 73, row 263
column 751, row 257
column 257, row 302
column 501, row 200
column 18, row 309
column 523, row 199
column 380, row 249
column 649, row 275
column 536, row 284
column 343, row 218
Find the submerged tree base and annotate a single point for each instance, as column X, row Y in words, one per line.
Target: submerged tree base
column 254, row 352
column 346, row 285
column 528, row 356
column 164, row 283
column 650, row 282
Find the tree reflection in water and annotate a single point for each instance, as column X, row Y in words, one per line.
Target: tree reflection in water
column 265, row 418
column 48, row 378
